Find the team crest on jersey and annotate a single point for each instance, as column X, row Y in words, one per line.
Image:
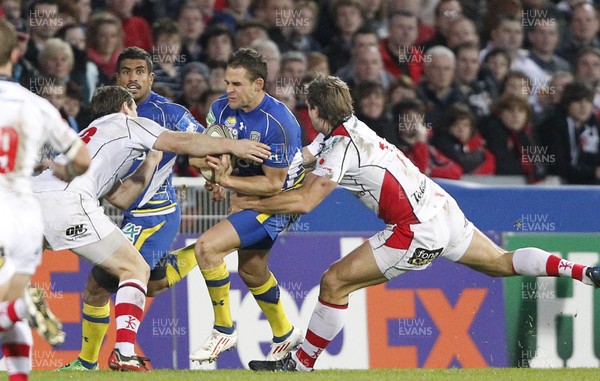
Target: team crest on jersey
column 230, row 122
column 326, row 148
column 255, row 135
column 422, row 257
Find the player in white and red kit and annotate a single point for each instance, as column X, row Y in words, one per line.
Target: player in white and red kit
column 26, row 123
column 423, row 221
column 74, row 219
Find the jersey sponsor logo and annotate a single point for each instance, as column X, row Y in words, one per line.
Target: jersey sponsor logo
column 423, row 257
column 76, row 230
column 231, row 121
column 210, row 118
column 324, row 148
column 255, row 135
column 419, row 193
column 131, row 231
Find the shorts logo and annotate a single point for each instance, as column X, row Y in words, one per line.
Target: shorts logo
column 423, row 257
column 75, row 230
column 131, row 231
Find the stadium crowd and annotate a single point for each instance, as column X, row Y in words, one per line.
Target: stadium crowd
column 497, row 87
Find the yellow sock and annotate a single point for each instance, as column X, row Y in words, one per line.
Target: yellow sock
column 186, row 261
column 217, row 281
column 267, row 297
column 94, row 325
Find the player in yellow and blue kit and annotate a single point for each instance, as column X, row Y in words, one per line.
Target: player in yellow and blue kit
column 152, row 220
column 249, row 112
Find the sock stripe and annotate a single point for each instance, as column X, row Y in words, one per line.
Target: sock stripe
column 125, row 335
column 316, row 340
column 124, row 308
column 217, row 283
column 552, row 265
column 338, row 306
column 577, row 272
column 99, row 320
column 16, row 350
column 12, row 312
column 17, row 377
column 135, row 285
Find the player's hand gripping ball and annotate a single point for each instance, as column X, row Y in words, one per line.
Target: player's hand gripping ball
column 217, row 130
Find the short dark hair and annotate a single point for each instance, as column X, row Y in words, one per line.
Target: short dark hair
column 454, row 113
column 135, row 53
column 109, row 99
column 251, row 60
column 574, row 92
column 164, row 26
column 214, row 31
column 408, row 105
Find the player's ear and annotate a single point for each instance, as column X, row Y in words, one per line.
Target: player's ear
column 259, row 84
column 151, row 79
column 15, row 54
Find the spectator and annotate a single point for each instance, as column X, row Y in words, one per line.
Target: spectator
column 76, row 111
column 249, row 31
column 23, row 69
column 412, row 141
column 462, row 30
column 509, row 137
column 401, row 89
column 445, row 12
column 301, row 37
column 217, row 43
column 370, row 100
column 476, row 91
column 84, row 71
column 52, row 89
column 277, row 14
column 398, row 50
column 166, row 54
column 458, row 139
column 367, row 65
column 104, row 44
column 438, row 89
column 375, row 15
column 348, row 18
column 584, row 27
column 516, row 84
column 270, row 52
column 194, row 83
column 293, row 68
column 425, row 30
column 43, row 23
column 363, row 37
column 234, row 12
column 317, row 63
column 507, row 33
column 190, row 23
column 496, row 65
column 573, row 138
column 56, row 59
column 216, row 79
column 136, row 30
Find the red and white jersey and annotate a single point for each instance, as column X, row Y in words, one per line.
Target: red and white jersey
column 27, row 121
column 377, row 173
column 114, row 142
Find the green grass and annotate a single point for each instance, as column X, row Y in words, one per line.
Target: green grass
column 491, row 374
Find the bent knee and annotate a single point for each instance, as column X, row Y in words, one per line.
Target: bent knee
column 331, row 283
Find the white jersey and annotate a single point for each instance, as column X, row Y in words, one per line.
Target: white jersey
column 114, row 142
column 377, row 173
column 27, row 121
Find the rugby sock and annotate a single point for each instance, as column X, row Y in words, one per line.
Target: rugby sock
column 11, row 312
column 267, row 297
column 129, row 310
column 16, row 346
column 185, row 261
column 94, row 325
column 217, row 281
column 325, row 323
column 531, row 261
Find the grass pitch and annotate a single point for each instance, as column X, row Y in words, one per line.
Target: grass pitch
column 491, row 374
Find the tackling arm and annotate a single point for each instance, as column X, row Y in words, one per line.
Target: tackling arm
column 125, row 192
column 297, row 201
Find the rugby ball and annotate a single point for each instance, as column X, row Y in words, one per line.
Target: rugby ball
column 220, row 131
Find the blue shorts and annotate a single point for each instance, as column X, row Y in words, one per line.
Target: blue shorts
column 259, row 230
column 152, row 235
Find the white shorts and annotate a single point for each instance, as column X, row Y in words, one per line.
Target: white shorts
column 401, row 248
column 73, row 220
column 20, row 236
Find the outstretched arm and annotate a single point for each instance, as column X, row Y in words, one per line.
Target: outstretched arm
column 297, row 201
column 195, row 144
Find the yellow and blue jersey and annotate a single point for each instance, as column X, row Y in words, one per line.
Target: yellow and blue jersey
column 272, row 123
column 160, row 197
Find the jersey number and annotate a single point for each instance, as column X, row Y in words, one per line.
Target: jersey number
column 9, row 142
column 86, row 135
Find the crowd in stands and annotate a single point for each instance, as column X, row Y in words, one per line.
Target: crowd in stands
column 477, row 87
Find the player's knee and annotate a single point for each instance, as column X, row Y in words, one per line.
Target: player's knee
column 330, row 282
column 204, row 249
